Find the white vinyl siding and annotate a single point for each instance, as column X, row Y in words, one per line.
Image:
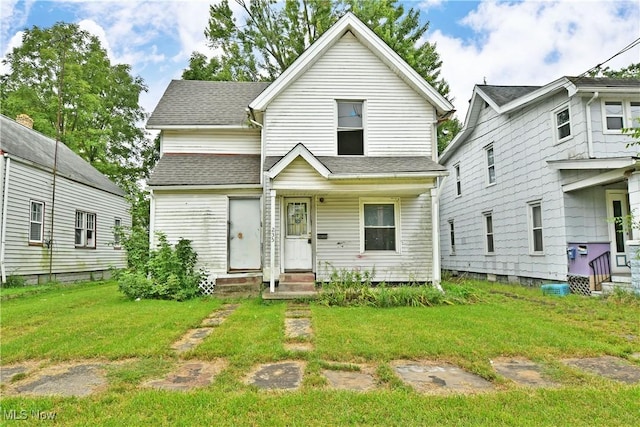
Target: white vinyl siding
column 28, row 183
column 211, row 142
column 36, row 222
column 398, row 121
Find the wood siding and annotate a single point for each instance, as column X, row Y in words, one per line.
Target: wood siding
column 211, row 141
column 30, row 183
column 199, row 216
column 397, row 121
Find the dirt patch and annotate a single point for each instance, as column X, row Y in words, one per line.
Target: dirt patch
column 22, row 369
column 292, row 314
column 69, row 379
column 277, row 376
column 439, row 378
column 298, row 346
column 361, row 380
column 189, row 375
column 522, row 371
column 610, row 367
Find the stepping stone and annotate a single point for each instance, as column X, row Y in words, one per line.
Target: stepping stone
column 65, row 380
column 298, row 346
column 191, row 339
column 610, row 367
column 297, row 328
column 297, row 313
column 277, row 376
column 435, row 378
column 210, row 322
column 189, row 375
column 522, row 371
column 350, row 380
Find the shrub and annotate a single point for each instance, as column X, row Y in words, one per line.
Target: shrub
column 14, row 282
column 169, row 273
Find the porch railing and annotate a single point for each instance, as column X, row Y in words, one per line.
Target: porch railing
column 601, row 270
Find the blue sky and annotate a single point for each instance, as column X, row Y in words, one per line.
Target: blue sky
column 505, row 43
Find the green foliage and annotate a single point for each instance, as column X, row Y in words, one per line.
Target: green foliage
column 14, row 282
column 164, row 273
column 356, row 288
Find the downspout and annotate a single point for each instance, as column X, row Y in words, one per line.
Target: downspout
column 5, row 206
column 589, row 130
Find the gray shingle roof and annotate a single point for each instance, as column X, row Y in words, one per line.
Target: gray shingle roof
column 502, row 95
column 206, row 169
column 28, row 144
column 371, row 165
column 604, row 82
column 205, row 103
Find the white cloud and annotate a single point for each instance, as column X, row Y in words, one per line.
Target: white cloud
column 534, row 43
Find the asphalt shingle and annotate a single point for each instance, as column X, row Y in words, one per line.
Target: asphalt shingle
column 371, row 165
column 206, row 169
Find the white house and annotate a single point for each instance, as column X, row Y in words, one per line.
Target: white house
column 536, row 174
column 74, row 240
column 332, row 166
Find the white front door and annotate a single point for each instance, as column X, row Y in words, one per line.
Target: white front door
column 618, row 207
column 244, row 234
column 297, row 234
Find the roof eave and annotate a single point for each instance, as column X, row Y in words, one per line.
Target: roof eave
column 429, row 174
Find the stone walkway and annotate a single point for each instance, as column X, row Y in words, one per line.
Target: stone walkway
column 425, row 376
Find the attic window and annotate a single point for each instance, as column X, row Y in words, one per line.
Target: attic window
column 350, row 128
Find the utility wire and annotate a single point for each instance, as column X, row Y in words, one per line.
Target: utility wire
column 623, row 50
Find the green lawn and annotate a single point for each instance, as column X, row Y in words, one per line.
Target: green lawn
column 95, row 321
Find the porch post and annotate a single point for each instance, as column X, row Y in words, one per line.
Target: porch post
column 435, row 241
column 633, row 187
column 272, row 247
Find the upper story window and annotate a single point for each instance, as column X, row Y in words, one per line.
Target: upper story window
column 536, row 245
column 85, row 230
column 456, row 169
column 350, row 128
column 491, row 167
column 36, row 222
column 621, row 114
column 563, row 123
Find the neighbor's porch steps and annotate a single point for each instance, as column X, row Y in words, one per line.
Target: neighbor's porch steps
column 293, row 286
column 620, row 280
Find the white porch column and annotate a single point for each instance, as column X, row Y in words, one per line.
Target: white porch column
column 634, row 202
column 272, row 247
column 435, row 235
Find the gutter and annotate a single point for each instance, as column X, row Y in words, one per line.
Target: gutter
column 388, row 175
column 5, row 203
column 589, row 130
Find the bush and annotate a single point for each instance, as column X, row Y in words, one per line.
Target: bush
column 169, row 273
column 14, row 282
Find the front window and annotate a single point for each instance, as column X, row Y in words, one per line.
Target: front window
column 614, row 115
column 535, row 222
column 379, row 218
column 488, row 229
column 36, row 222
column 85, row 230
column 563, row 124
column 350, row 128
column 491, row 168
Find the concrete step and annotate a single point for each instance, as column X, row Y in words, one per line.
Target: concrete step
column 608, row 287
column 297, row 286
column 281, row 295
column 621, row 278
column 238, row 286
column 297, row 277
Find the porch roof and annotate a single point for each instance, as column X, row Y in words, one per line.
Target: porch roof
column 206, row 169
column 373, row 166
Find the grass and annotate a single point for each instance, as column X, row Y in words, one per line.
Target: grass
column 94, row 320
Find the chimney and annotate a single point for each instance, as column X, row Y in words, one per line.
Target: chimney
column 25, row 120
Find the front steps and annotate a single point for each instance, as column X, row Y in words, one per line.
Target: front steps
column 621, row 281
column 241, row 285
column 293, row 286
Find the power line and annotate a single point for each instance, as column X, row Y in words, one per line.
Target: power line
column 623, row 50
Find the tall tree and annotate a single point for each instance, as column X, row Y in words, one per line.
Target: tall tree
column 276, row 34
column 63, row 66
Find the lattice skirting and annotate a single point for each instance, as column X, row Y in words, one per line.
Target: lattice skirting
column 579, row 285
column 208, row 285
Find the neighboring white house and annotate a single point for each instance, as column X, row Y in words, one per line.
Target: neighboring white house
column 81, row 244
column 535, row 175
column 332, row 166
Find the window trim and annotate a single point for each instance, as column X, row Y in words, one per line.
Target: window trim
column 117, row 224
column 627, row 119
column 31, row 241
column 85, row 222
column 531, row 229
column 456, row 171
column 485, row 216
column 489, row 166
column 363, row 126
column 556, row 127
column 452, row 237
column 396, row 217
